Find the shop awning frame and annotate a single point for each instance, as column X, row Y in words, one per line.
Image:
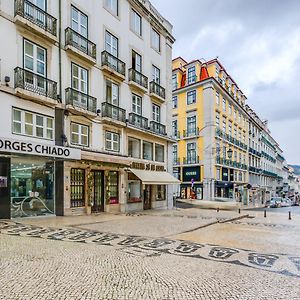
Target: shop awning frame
column 154, row 177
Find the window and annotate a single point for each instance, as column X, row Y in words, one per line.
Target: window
column 218, row 120
column 161, row 193
column 155, row 40
column 224, row 125
column 77, row 182
column 155, row 74
column 113, row 187
column 174, row 128
column 134, row 147
column 235, row 133
column 159, row 153
column 111, row 45
column 191, row 152
column 147, row 150
column 136, row 61
column 156, row 113
column 136, row 22
column 112, row 6
column 174, row 82
column 192, row 75
column 175, row 154
column 79, row 22
column 217, row 98
column 229, row 109
column 191, row 97
column 31, row 124
column 224, row 104
column 217, row 73
column 34, row 61
column 234, row 114
column 230, row 128
column 79, row 134
column 136, row 104
column 134, row 191
column 191, row 125
column 80, row 80
column 218, row 174
column 174, row 101
column 239, row 120
column 112, row 93
column 112, row 141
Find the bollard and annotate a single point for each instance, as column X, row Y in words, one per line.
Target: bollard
column 265, row 213
column 290, row 215
column 218, row 209
column 239, row 210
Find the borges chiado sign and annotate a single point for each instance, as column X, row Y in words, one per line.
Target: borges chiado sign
column 24, row 147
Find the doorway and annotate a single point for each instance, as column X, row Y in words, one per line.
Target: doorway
column 147, row 197
column 97, row 191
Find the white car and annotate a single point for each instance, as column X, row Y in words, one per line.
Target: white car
column 286, row 202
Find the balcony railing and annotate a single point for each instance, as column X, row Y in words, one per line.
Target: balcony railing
column 191, row 132
column 113, row 112
column 112, row 62
column 191, row 160
column 176, row 161
column 80, row 42
column 35, row 83
column 36, row 15
column 138, row 121
column 81, row 100
column 138, row 78
column 176, row 134
column 157, row 89
column 157, row 127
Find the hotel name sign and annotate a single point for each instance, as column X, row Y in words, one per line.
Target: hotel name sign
column 24, row 147
column 149, row 167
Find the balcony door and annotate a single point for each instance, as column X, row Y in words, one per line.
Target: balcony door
column 156, row 74
column 136, row 61
column 156, row 113
column 36, row 11
column 35, row 63
column 80, row 84
column 112, row 47
column 79, row 24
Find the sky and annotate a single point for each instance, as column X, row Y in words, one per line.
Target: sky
column 258, row 43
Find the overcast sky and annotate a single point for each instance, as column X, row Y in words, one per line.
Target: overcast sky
column 258, row 42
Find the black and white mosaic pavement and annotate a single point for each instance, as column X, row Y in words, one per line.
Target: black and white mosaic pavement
column 284, row 264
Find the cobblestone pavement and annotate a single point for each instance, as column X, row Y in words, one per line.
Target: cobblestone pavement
column 41, row 262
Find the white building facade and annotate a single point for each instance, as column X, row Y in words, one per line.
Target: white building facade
column 91, row 79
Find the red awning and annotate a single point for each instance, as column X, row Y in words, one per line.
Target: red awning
column 203, row 72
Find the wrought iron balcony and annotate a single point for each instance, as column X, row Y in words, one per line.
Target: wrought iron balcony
column 113, row 112
column 81, row 100
column 158, row 90
column 80, row 42
column 138, row 78
column 176, row 161
column 36, row 15
column 112, row 62
column 190, row 160
column 35, row 83
column 157, row 127
column 138, row 121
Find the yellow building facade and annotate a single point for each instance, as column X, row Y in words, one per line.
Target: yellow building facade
column 210, row 124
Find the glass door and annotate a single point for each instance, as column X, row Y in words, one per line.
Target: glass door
column 96, row 195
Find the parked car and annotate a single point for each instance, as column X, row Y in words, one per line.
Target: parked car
column 286, row 202
column 275, row 202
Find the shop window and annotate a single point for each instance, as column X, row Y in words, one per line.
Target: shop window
column 32, row 124
column 161, row 193
column 113, row 187
column 159, row 153
column 79, row 134
column 134, row 147
column 147, row 150
column 77, row 184
column 32, row 187
column 134, row 191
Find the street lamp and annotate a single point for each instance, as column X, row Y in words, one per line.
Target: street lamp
column 229, row 153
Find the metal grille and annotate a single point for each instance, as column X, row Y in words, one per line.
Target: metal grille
column 77, row 187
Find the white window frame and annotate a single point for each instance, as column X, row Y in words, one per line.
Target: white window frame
column 217, row 98
column 191, row 95
column 174, row 82
column 112, row 6
column 80, row 134
column 115, row 92
column 156, row 113
column 137, row 104
column 82, row 28
column 111, row 44
column 114, row 140
column 136, row 22
column 47, row 131
column 156, row 74
column 81, row 81
column 155, row 39
column 174, row 101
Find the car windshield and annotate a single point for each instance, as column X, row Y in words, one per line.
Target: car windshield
column 276, row 199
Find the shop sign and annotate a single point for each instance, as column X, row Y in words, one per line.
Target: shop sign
column 147, row 167
column 191, row 174
column 24, row 147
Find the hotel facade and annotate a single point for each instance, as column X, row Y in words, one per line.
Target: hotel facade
column 85, row 89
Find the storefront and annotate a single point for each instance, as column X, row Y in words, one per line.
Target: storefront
column 224, row 189
column 191, row 188
column 147, row 186
column 27, row 177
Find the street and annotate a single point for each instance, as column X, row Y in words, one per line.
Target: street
column 292, row 209
column 179, row 254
